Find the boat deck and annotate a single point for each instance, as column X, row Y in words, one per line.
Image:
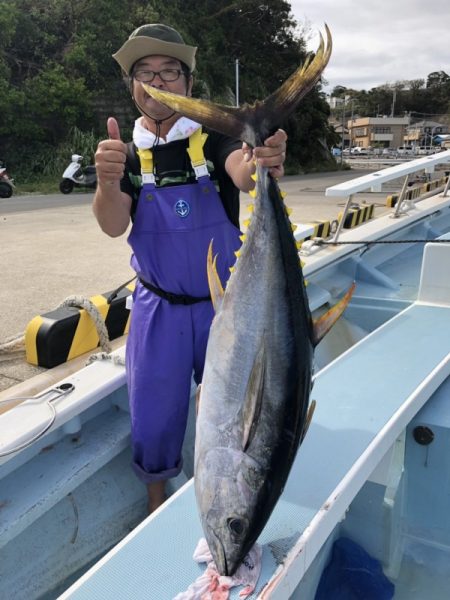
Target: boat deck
column 399, row 366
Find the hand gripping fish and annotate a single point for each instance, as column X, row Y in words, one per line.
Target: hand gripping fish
column 253, row 410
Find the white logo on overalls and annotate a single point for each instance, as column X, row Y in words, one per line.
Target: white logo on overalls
column 182, row 208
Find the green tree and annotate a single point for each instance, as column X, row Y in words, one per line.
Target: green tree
column 57, row 70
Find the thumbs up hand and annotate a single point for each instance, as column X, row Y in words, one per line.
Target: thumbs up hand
column 110, row 156
column 112, row 127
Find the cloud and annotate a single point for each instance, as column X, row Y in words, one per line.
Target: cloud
column 379, row 42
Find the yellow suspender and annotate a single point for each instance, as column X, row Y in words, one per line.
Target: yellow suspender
column 195, row 151
column 146, row 159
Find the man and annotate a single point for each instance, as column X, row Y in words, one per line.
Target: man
column 183, row 193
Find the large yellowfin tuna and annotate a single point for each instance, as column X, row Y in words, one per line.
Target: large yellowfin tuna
column 253, row 410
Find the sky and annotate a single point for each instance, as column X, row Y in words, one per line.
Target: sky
column 379, row 41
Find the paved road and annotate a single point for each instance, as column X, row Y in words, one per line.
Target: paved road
column 51, row 247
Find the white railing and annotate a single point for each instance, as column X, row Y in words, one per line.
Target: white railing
column 374, row 182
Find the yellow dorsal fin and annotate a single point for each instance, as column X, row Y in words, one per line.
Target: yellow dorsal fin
column 215, row 285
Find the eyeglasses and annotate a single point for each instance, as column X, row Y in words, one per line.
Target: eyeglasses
column 165, row 75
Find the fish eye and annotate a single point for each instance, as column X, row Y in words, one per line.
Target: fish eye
column 236, row 526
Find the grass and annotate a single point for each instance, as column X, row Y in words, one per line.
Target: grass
column 48, row 185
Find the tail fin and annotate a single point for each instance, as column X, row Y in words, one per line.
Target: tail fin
column 252, row 123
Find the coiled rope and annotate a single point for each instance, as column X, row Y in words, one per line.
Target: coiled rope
column 102, row 332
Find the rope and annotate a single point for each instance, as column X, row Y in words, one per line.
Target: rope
column 92, row 310
column 321, row 242
column 103, row 336
column 116, row 360
column 12, row 345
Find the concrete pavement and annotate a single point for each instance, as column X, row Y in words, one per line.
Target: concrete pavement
column 53, row 249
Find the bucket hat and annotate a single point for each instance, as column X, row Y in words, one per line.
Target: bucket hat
column 154, row 38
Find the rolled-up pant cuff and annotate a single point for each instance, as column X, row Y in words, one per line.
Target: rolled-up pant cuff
column 146, row 477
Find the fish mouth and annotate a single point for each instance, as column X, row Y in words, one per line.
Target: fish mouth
column 220, row 557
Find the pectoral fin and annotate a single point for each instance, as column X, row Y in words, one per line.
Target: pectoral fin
column 198, row 392
column 323, row 324
column 215, row 285
column 253, row 397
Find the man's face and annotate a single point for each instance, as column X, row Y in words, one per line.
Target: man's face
column 171, row 68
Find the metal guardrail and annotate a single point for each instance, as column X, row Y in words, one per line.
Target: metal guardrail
column 374, row 182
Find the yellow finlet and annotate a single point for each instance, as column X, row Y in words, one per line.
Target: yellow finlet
column 246, row 223
column 288, row 211
column 251, row 208
column 252, row 193
column 243, row 237
column 232, row 269
column 237, row 253
column 293, row 226
column 283, row 194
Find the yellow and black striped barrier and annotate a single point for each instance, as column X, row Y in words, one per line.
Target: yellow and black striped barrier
column 65, row 333
column 322, row 229
column 357, row 216
column 417, row 191
column 311, row 230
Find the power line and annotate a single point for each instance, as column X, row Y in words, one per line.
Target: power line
column 414, row 112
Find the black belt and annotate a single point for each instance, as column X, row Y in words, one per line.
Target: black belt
column 173, row 298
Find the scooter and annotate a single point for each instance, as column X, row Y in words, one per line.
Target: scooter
column 6, row 183
column 77, row 176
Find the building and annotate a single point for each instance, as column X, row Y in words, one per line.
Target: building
column 443, row 140
column 422, row 133
column 377, row 132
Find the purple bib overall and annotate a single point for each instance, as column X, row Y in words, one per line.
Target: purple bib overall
column 172, row 229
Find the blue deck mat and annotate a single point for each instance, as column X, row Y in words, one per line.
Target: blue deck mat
column 356, row 396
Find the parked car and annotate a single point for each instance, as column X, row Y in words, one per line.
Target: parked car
column 405, row 151
column 425, row 149
column 358, row 150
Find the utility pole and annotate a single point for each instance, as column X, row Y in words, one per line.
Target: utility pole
column 394, row 97
column 351, row 125
column 343, row 131
column 237, row 81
